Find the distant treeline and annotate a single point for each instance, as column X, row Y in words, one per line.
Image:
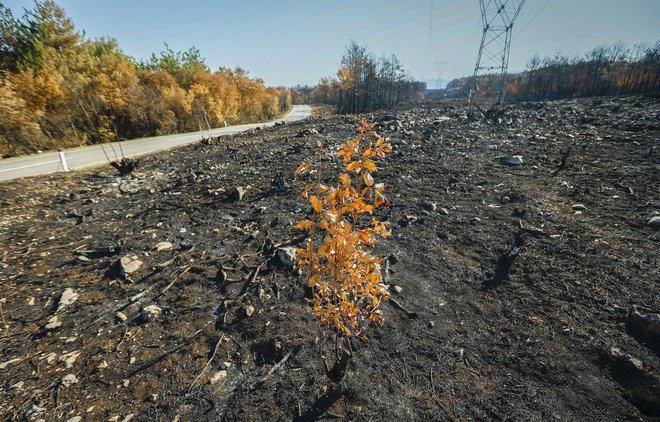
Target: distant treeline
column 363, row 83
column 606, row 70
column 58, row 88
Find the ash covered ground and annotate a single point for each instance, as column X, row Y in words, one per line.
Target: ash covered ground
column 530, row 285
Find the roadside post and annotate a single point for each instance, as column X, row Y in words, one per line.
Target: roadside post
column 65, row 167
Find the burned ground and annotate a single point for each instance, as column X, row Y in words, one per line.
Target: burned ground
column 534, row 286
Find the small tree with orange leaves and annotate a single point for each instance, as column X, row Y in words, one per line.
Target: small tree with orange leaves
column 337, row 261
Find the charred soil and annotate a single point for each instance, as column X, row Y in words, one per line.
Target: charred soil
column 531, row 283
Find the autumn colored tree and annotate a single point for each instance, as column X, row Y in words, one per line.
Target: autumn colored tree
column 364, row 83
column 61, row 89
column 338, row 260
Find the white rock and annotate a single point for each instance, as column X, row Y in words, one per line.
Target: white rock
column 30, row 301
column 225, row 365
column 151, row 312
column 249, row 310
column 654, row 221
column 164, row 246
column 579, row 207
column 69, row 296
column 514, row 160
column 4, row 365
column 75, row 419
column 53, row 323
column 287, row 256
column 218, row 376
column 69, row 380
column 121, row 316
column 69, row 358
column 128, row 418
column 48, row 359
column 18, row 385
column 129, row 264
column 102, row 365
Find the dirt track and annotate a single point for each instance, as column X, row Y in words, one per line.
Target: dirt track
column 547, row 334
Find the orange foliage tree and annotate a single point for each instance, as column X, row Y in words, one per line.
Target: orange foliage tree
column 338, row 260
column 60, row 89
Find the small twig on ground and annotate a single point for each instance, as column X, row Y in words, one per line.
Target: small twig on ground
column 235, row 341
column 400, row 307
column 4, row 321
column 208, row 362
column 562, row 165
column 157, row 359
column 186, row 269
column 277, row 366
column 121, row 340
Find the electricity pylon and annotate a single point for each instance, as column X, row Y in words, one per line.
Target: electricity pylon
column 441, row 72
column 497, row 17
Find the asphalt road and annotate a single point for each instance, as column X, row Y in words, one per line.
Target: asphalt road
column 77, row 158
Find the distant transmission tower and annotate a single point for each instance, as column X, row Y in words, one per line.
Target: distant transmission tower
column 441, row 72
column 493, row 59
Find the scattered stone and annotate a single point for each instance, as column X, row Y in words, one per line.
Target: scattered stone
column 18, row 385
column 102, row 365
column 152, row 397
column 654, row 221
column 69, row 296
column 75, row 419
column 129, row 264
column 444, row 211
column 430, row 206
column 397, row 289
column 618, row 354
column 649, row 322
column 121, row 316
column 475, row 220
column 82, row 259
column 164, row 246
column 236, row 194
column 69, row 358
column 225, row 365
column 35, row 410
column 307, row 132
column 151, row 312
column 53, row 323
column 505, row 200
column 579, row 207
column 128, row 417
column 440, row 120
column 126, row 383
column 30, row 301
column 287, row 256
column 218, row 376
column 69, row 380
column 48, row 359
column 4, row 365
column 249, row 310
column 514, row 160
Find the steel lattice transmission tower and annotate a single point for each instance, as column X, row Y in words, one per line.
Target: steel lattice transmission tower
column 497, row 17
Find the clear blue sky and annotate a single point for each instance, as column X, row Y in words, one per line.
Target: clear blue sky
column 288, row 42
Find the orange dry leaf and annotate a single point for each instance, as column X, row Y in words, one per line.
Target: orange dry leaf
column 317, row 204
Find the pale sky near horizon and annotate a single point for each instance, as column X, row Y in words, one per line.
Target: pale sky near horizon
column 290, row 42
